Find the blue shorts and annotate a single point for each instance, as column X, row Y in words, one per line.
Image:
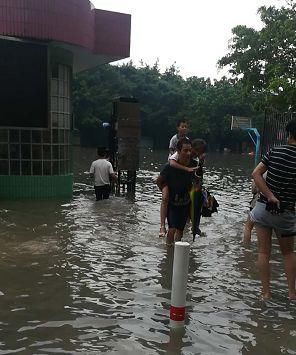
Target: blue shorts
column 284, row 224
column 177, row 216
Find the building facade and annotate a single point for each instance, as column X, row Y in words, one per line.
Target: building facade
column 42, row 43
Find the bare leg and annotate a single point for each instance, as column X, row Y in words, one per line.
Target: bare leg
column 287, row 249
column 264, row 249
column 178, row 235
column 248, row 230
column 170, row 237
column 163, row 210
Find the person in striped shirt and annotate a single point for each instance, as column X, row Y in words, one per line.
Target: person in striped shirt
column 275, row 209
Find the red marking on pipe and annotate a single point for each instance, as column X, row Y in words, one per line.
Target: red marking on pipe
column 177, row 313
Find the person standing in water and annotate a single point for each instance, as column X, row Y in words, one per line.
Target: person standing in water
column 179, row 183
column 198, row 153
column 275, row 209
column 249, row 225
column 102, row 171
column 182, row 129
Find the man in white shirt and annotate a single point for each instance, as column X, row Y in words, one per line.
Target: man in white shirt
column 102, row 170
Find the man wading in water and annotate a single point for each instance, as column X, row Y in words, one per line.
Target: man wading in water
column 179, row 183
column 275, row 209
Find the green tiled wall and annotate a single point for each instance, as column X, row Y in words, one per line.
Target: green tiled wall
column 35, row 187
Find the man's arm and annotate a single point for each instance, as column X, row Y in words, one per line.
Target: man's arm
column 261, row 184
column 112, row 174
column 114, row 177
column 91, row 170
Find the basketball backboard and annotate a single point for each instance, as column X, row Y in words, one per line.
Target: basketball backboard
column 239, row 122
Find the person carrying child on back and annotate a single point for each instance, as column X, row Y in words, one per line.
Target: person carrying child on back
column 198, row 153
column 182, row 129
column 196, row 166
column 179, row 183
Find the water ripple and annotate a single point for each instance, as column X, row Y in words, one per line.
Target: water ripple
column 89, row 277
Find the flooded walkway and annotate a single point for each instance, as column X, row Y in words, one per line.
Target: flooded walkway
column 86, row 277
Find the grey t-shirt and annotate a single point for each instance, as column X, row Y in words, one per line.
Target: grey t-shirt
column 173, row 143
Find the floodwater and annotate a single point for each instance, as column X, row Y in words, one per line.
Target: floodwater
column 86, row 277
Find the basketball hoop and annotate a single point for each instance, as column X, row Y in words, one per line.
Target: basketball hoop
column 239, row 122
column 245, row 124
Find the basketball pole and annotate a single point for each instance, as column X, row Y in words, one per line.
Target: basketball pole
column 255, row 140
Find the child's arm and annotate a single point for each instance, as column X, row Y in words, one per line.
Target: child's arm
column 176, row 165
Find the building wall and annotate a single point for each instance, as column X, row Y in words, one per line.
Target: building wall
column 60, row 111
column 36, row 162
column 70, row 21
column 35, row 154
column 74, row 22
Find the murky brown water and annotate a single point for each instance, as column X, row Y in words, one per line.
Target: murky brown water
column 89, row 277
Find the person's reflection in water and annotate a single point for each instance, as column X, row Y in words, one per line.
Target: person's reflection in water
column 166, row 269
column 269, row 324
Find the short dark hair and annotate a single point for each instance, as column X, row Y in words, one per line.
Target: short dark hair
column 181, row 120
column 199, row 144
column 291, row 128
column 101, row 151
column 183, row 141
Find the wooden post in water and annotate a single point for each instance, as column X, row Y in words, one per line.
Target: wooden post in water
column 125, row 139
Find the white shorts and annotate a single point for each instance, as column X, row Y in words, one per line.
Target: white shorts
column 284, row 224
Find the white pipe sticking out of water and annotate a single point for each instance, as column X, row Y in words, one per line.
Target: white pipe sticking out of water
column 179, row 284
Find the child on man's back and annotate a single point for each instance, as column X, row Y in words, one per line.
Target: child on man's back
column 182, row 129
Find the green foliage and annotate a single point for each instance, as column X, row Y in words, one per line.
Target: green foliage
column 164, row 98
column 264, row 61
column 262, row 65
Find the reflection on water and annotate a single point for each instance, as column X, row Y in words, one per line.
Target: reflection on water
column 81, row 276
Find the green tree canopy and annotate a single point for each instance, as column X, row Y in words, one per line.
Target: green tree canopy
column 164, row 98
column 265, row 60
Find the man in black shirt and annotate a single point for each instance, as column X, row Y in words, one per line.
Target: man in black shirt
column 179, row 183
column 275, row 209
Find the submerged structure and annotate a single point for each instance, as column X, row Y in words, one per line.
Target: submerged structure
column 41, row 44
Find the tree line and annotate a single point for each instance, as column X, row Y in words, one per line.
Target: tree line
column 261, row 67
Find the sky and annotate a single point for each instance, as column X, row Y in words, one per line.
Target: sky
column 193, row 34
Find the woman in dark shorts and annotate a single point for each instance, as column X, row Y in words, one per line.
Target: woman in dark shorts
column 275, row 209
